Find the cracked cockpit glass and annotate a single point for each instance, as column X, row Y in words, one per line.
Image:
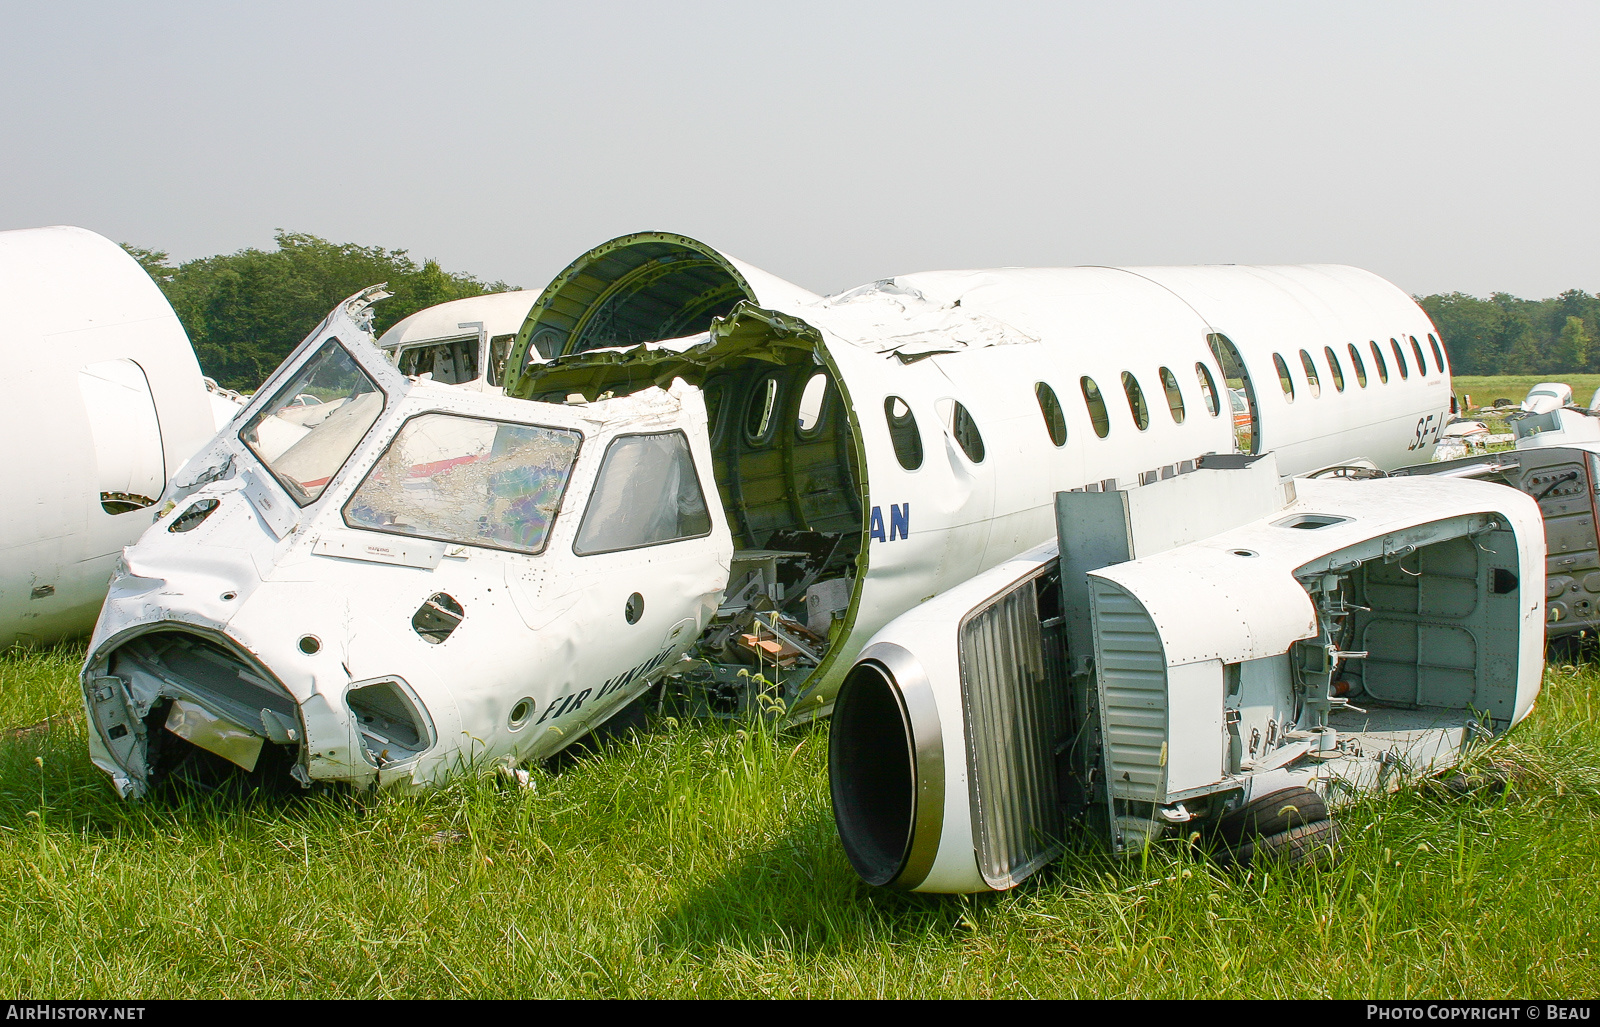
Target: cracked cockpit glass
column 315, row 422
column 464, row 479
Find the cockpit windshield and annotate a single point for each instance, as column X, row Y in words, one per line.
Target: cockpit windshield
column 315, row 422
column 465, row 479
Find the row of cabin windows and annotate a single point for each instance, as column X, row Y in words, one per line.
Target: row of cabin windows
column 908, row 443
column 955, row 417
column 1379, row 363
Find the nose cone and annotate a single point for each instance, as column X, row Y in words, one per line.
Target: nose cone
column 197, row 651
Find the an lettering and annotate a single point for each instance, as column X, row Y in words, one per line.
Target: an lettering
column 899, row 521
column 875, row 525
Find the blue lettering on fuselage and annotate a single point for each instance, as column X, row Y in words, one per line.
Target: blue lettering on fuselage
column 899, row 523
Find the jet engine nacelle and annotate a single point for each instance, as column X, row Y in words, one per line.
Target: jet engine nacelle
column 1146, row 674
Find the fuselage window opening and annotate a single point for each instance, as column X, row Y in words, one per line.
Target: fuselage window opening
column 1055, row 422
column 1383, row 367
column 1422, row 361
column 903, row 432
column 1361, row 368
column 1438, row 354
column 499, row 348
column 1334, row 368
column 1400, row 360
column 1098, row 416
column 760, row 414
column 1284, row 381
column 1241, row 392
column 1208, row 388
column 1169, row 383
column 812, row 399
column 1136, row 404
column 1312, row 381
column 964, row 430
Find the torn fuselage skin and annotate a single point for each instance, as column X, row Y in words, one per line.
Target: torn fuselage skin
column 382, row 582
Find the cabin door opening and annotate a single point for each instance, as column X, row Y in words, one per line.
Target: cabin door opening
column 786, row 471
column 1241, row 394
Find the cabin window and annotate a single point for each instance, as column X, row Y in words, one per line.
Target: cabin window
column 499, row 349
column 761, row 413
column 1136, row 403
column 1361, row 369
column 1400, row 360
column 469, row 480
column 1208, row 389
column 1098, row 416
column 1334, row 368
column 1312, row 381
column 1055, row 422
column 315, row 422
column 1422, row 361
column 1284, row 381
column 452, row 362
column 903, row 432
column 1438, row 354
column 1169, row 383
column 964, row 430
column 1241, row 392
column 808, row 422
column 1383, row 368
column 647, row 494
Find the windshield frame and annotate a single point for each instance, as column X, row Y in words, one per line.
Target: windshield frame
column 478, row 543
column 287, row 382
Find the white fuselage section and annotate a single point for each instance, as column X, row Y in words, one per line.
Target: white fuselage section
column 103, row 401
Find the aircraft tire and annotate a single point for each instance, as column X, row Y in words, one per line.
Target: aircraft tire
column 1271, row 815
column 1314, row 843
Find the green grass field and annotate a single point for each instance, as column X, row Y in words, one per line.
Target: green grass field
column 701, row 860
column 1485, row 391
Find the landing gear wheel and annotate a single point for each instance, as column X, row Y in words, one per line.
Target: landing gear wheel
column 1291, row 825
column 1316, row 843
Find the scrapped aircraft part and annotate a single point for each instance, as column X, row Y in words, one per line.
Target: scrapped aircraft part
column 193, row 515
column 437, row 618
column 105, row 401
column 1557, row 462
column 933, row 389
column 1137, row 677
column 394, row 725
column 461, row 342
column 721, row 444
column 198, row 726
column 451, row 502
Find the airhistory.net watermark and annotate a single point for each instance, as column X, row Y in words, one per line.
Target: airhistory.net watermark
column 70, row 1011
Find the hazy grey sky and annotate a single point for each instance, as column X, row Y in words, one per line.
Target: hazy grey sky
column 1443, row 145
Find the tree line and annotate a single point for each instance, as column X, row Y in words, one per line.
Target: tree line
column 245, row 311
column 1507, row 335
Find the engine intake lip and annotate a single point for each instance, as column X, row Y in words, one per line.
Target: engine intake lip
column 886, row 768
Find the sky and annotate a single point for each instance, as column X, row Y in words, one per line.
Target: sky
column 1446, row 146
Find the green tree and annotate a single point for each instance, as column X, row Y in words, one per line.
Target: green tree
column 1572, row 347
column 245, row 311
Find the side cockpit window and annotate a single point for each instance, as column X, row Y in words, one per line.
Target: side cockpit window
column 315, row 422
column 647, row 493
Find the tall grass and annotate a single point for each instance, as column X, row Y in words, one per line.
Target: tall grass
column 700, row 859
